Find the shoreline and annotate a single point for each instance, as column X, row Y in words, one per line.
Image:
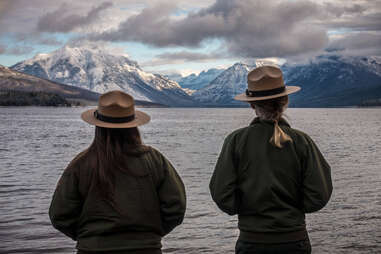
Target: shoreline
column 186, row 107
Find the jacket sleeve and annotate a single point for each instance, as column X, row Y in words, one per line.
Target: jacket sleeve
column 172, row 198
column 317, row 183
column 66, row 204
column 223, row 184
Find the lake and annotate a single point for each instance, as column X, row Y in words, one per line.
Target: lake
column 37, row 143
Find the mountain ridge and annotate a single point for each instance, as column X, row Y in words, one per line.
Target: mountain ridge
column 11, row 80
column 327, row 81
column 14, row 80
column 97, row 69
column 198, row 81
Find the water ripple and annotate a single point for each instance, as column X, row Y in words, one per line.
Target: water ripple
column 38, row 146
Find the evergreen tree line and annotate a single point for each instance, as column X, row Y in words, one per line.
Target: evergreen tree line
column 371, row 103
column 23, row 98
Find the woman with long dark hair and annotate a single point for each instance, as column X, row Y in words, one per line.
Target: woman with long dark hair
column 118, row 196
column 270, row 174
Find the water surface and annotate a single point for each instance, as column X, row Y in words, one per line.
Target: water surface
column 37, row 143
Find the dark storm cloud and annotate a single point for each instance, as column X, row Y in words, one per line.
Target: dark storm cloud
column 243, row 28
column 151, row 23
column 183, row 56
column 249, row 28
column 339, row 10
column 188, row 56
column 17, row 50
column 37, row 38
column 61, row 20
column 360, row 43
column 369, row 22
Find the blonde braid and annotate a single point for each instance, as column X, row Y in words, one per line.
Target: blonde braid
column 272, row 109
column 279, row 137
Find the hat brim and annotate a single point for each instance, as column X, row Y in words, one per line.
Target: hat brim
column 288, row 90
column 140, row 119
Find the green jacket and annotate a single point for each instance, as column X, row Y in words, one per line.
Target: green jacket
column 151, row 202
column 270, row 188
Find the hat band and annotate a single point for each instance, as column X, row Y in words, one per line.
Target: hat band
column 109, row 119
column 265, row 92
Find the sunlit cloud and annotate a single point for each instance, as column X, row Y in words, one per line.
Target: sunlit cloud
column 179, row 33
column 61, row 20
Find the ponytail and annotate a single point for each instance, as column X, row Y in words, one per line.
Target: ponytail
column 273, row 109
column 279, row 137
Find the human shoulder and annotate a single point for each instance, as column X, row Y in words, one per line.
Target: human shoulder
column 156, row 154
column 136, row 150
column 301, row 136
column 162, row 166
column 303, row 142
column 237, row 133
column 78, row 161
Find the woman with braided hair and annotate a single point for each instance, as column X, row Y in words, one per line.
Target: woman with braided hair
column 270, row 174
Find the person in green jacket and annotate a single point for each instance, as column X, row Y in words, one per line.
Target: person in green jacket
column 270, row 174
column 118, row 196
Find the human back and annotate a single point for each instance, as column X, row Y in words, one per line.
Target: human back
column 270, row 174
column 119, row 194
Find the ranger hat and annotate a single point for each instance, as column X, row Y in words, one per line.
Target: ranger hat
column 265, row 82
column 116, row 109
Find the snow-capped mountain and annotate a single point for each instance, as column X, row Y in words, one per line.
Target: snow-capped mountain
column 225, row 86
column 196, row 82
column 327, row 81
column 99, row 69
column 330, row 81
column 174, row 76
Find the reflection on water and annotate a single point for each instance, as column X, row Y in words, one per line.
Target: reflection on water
column 37, row 143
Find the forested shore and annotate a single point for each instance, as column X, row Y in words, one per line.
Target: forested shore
column 22, row 98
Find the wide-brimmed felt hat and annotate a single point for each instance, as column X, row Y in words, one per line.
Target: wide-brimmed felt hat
column 116, row 109
column 265, row 82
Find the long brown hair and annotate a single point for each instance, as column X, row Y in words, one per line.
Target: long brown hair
column 273, row 109
column 110, row 147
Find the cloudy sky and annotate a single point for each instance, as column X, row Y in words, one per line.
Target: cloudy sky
column 190, row 36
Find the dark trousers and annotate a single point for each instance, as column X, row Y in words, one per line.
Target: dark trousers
column 299, row 247
column 146, row 251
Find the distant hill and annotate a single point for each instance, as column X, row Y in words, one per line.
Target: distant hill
column 11, row 80
column 23, row 98
column 14, row 80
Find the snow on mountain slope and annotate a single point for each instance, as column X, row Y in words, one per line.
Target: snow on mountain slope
column 98, row 69
column 14, row 80
column 196, row 82
column 225, row 86
column 326, row 81
column 331, row 80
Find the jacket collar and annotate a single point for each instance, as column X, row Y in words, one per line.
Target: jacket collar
column 282, row 121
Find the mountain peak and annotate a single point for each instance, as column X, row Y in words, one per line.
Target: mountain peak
column 77, row 52
column 100, row 68
column 195, row 82
column 240, row 67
